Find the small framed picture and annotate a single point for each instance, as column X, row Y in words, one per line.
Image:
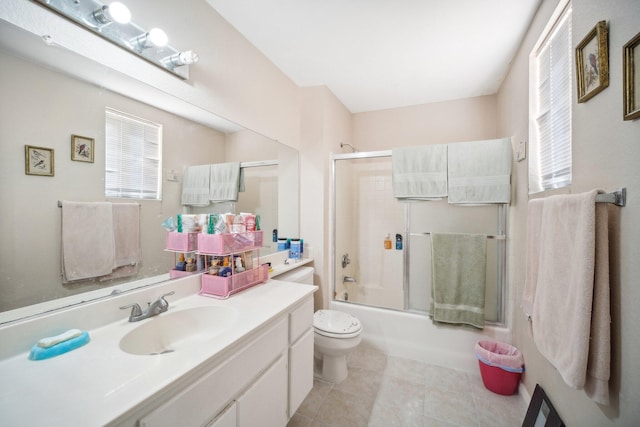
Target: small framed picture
column 631, row 78
column 38, row 160
column 82, row 148
column 592, row 62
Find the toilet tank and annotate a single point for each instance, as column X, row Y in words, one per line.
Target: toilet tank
column 297, row 275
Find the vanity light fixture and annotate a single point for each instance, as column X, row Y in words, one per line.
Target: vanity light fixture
column 114, row 12
column 113, row 22
column 154, row 38
column 180, row 59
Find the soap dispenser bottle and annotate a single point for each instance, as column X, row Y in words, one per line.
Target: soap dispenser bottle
column 387, row 241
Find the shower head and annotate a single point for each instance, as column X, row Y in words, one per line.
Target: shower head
column 342, row 144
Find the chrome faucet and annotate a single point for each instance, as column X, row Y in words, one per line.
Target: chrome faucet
column 348, row 279
column 158, row 306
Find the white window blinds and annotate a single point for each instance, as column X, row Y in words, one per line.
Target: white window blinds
column 133, row 156
column 550, row 141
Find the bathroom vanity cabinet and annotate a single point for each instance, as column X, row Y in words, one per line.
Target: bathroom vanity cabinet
column 255, row 372
column 265, row 380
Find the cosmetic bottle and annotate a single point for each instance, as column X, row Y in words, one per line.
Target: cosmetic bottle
column 398, row 242
column 387, row 241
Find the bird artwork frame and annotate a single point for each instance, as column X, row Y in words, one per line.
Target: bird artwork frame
column 82, row 148
column 592, row 62
column 39, row 160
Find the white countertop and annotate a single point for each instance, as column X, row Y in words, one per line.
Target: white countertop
column 99, row 383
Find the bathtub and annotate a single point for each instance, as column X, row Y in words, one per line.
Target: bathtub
column 415, row 336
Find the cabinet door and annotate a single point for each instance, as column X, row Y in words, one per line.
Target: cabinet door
column 300, row 371
column 226, row 419
column 264, row 404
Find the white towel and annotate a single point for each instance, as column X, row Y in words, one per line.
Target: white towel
column 419, row 172
column 575, row 339
column 480, row 171
column 225, row 182
column 88, row 247
column 195, row 185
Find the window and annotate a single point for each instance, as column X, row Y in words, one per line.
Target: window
column 551, row 68
column 133, row 161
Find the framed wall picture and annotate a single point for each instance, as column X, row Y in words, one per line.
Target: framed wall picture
column 631, row 78
column 592, row 62
column 82, row 148
column 38, row 160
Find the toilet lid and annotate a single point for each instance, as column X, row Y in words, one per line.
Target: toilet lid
column 336, row 324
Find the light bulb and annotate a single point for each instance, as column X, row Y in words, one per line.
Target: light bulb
column 158, row 37
column 155, row 37
column 179, row 59
column 115, row 12
column 119, row 12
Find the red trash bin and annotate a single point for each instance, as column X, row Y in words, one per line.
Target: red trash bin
column 501, row 366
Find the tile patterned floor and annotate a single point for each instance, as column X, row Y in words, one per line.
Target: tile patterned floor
column 388, row 391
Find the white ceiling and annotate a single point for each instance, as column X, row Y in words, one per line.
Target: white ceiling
column 379, row 54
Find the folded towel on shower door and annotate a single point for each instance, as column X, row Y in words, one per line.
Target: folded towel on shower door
column 459, row 264
column 480, row 171
column 195, row 185
column 225, row 182
column 419, row 172
column 88, row 246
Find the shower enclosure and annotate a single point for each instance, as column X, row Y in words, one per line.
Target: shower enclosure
column 365, row 212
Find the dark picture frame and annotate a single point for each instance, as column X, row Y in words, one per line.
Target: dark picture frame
column 631, row 78
column 592, row 62
column 541, row 412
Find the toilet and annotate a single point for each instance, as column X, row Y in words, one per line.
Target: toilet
column 336, row 333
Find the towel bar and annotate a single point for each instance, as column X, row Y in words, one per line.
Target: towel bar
column 497, row 237
column 618, row 197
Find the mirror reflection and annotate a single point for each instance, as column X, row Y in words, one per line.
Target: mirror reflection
column 43, row 106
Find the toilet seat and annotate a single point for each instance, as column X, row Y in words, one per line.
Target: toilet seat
column 336, row 324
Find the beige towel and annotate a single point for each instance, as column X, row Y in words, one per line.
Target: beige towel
column 563, row 292
column 126, row 230
column 88, row 247
column 534, row 218
column 459, row 263
column 599, row 365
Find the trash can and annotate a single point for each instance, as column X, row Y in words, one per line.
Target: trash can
column 501, row 366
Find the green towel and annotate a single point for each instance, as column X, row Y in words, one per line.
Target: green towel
column 458, row 265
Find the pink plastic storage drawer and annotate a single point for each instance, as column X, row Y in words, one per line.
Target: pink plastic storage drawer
column 176, row 274
column 220, row 244
column 183, row 242
column 223, row 287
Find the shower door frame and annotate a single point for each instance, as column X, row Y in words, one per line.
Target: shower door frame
column 501, row 237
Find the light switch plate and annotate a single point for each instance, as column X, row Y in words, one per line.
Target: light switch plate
column 172, row 175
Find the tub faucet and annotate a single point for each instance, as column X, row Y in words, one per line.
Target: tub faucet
column 158, row 306
column 348, row 279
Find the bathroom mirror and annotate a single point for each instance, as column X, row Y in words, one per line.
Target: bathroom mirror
column 49, row 94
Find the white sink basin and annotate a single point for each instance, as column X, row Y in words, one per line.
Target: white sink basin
column 173, row 331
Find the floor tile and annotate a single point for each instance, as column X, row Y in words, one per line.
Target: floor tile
column 389, row 391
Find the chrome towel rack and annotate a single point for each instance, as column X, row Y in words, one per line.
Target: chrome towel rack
column 617, row 197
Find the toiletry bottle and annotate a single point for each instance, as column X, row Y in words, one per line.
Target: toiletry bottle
column 181, row 265
column 398, row 241
column 387, row 242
